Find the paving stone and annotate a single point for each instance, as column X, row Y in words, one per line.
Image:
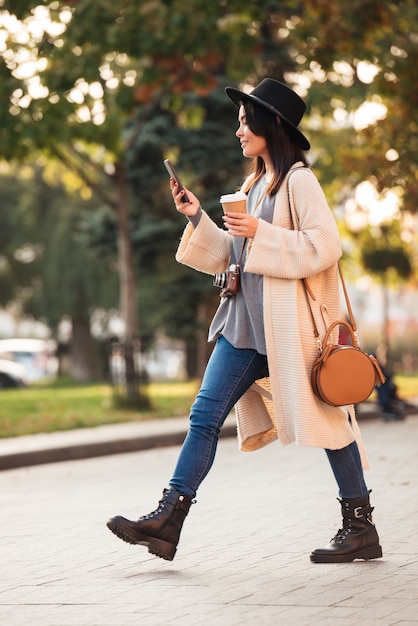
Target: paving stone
column 243, row 557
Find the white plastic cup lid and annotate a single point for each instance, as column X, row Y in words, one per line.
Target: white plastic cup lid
column 233, row 197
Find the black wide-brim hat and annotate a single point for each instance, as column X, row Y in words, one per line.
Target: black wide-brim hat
column 280, row 100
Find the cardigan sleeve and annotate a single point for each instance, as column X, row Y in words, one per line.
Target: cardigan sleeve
column 206, row 248
column 314, row 246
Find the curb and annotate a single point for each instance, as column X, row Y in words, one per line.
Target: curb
column 110, row 439
column 75, row 451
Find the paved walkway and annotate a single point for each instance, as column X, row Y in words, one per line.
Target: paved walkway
column 244, row 554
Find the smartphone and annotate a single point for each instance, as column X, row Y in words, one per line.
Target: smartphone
column 173, row 174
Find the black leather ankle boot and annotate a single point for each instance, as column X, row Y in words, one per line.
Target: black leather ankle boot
column 159, row 530
column 357, row 539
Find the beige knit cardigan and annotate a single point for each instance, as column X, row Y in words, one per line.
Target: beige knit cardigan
column 284, row 406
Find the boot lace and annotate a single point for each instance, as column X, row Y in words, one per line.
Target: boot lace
column 158, row 510
column 342, row 534
column 161, row 505
column 154, row 513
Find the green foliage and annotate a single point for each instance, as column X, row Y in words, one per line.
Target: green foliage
column 381, row 259
column 139, row 51
column 386, row 36
column 210, row 163
column 127, row 83
column 21, row 248
column 47, row 266
column 130, row 52
column 74, row 279
column 383, row 252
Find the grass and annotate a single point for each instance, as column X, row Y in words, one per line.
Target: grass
column 64, row 405
column 407, row 385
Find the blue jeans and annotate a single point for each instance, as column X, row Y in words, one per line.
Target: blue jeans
column 229, row 373
column 348, row 472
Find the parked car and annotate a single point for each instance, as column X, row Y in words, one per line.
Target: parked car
column 11, row 374
column 36, row 356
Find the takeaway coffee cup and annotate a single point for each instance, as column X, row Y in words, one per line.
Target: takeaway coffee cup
column 234, row 202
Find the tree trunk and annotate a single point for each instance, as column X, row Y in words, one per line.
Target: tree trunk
column 203, row 351
column 198, row 350
column 84, row 365
column 128, row 304
column 385, row 356
column 127, row 290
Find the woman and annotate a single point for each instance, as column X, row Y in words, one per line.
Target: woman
column 273, row 344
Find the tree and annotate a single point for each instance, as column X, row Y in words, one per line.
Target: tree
column 49, row 269
column 388, row 258
column 210, row 163
column 88, row 68
column 18, row 260
column 101, row 71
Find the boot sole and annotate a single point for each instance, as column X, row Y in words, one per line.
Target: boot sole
column 158, row 547
column 370, row 553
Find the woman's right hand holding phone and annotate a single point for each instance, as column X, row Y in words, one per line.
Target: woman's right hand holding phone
column 187, row 208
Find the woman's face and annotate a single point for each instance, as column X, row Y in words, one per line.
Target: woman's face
column 252, row 145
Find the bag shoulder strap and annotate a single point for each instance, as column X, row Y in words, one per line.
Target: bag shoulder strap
column 238, row 263
column 308, row 291
column 347, row 300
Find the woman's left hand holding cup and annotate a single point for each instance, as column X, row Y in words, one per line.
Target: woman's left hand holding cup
column 240, row 224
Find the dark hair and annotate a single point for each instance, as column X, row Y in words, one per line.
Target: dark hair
column 283, row 150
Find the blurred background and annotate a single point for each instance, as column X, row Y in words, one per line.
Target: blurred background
column 94, row 95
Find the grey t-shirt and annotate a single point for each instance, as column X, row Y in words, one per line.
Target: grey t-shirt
column 240, row 318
